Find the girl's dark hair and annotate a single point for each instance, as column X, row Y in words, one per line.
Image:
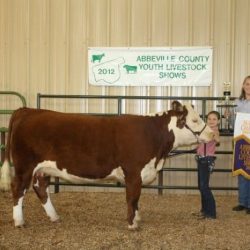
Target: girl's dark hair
column 243, row 93
column 215, row 113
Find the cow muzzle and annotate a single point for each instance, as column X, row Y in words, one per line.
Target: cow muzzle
column 206, row 136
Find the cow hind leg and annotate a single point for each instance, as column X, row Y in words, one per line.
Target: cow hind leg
column 19, row 185
column 41, row 188
column 133, row 192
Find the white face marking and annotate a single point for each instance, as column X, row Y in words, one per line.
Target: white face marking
column 50, row 168
column 195, row 122
column 49, row 209
column 184, row 136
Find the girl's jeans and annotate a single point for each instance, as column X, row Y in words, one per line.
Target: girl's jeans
column 208, row 207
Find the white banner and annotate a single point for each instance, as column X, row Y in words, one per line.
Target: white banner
column 242, row 145
column 242, row 125
column 153, row 66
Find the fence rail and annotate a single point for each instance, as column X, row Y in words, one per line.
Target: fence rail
column 160, row 187
column 4, row 130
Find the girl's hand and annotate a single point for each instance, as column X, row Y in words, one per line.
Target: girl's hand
column 217, row 137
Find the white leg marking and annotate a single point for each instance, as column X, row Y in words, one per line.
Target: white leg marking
column 137, row 216
column 18, row 213
column 134, row 225
column 50, row 210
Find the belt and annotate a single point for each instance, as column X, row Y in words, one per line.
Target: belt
column 200, row 156
column 205, row 157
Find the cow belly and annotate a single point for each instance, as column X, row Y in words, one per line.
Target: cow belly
column 149, row 172
column 50, row 168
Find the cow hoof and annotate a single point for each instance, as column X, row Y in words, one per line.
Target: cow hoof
column 133, row 227
column 19, row 224
column 56, row 220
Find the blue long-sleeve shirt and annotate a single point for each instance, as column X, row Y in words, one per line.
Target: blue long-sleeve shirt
column 243, row 106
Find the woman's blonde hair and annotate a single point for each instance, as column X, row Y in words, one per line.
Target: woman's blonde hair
column 243, row 93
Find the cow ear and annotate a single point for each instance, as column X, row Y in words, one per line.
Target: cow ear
column 181, row 121
column 177, row 106
column 181, row 118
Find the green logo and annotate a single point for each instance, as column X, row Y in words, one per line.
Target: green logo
column 97, row 57
column 130, row 69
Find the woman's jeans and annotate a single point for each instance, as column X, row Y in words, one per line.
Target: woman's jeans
column 244, row 191
column 208, row 207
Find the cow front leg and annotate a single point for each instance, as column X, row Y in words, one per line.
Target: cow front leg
column 18, row 192
column 41, row 188
column 133, row 192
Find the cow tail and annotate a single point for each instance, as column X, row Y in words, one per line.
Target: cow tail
column 5, row 174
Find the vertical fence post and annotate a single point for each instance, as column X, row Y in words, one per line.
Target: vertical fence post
column 57, row 185
column 2, row 145
column 160, row 182
column 119, row 106
column 4, row 130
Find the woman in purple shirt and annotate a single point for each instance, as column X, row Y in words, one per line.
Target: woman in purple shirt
column 243, row 106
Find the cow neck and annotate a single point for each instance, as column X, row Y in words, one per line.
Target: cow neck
column 166, row 138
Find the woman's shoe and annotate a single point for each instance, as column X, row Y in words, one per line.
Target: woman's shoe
column 210, row 217
column 197, row 214
column 238, row 208
column 248, row 211
column 206, row 217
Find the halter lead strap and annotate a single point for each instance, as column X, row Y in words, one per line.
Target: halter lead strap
column 196, row 133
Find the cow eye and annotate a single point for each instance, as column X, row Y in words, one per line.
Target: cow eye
column 195, row 120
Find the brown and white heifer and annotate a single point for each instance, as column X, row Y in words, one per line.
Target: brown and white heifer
column 84, row 148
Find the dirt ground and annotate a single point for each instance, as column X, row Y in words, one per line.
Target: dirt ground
column 93, row 220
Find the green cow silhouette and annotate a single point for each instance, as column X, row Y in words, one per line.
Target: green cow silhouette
column 97, row 57
column 130, row 68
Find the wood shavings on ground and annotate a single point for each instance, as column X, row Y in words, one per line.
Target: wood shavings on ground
column 95, row 220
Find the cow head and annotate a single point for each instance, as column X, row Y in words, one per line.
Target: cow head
column 187, row 126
